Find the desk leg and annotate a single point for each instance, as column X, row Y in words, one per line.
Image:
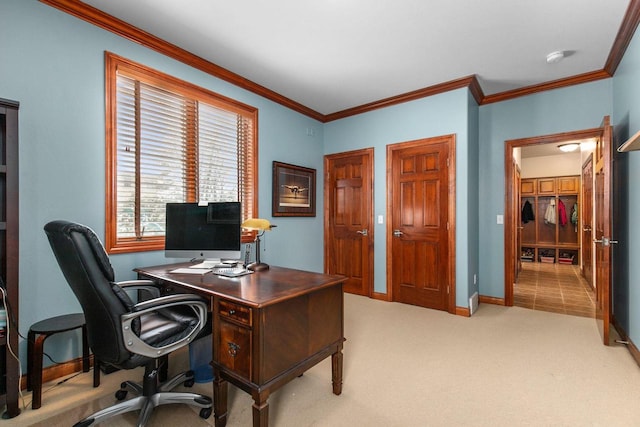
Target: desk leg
column 260, row 410
column 336, row 371
column 220, row 388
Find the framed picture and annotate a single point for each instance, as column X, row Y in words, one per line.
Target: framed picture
column 294, row 190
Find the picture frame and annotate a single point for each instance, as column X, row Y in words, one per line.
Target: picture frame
column 294, row 190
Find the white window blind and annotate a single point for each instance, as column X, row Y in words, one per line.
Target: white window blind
column 173, row 147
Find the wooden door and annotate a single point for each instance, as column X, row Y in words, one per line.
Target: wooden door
column 349, row 219
column 586, row 213
column 421, row 208
column 603, row 227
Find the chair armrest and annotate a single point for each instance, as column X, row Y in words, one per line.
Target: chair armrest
column 141, row 285
column 136, row 345
column 139, row 282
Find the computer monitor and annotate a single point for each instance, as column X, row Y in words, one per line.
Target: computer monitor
column 209, row 232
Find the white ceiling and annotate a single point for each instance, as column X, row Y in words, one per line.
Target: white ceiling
column 331, row 55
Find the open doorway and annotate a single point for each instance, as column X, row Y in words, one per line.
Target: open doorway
column 544, row 223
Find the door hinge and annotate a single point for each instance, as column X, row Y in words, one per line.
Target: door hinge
column 447, row 225
column 447, row 289
column 447, row 162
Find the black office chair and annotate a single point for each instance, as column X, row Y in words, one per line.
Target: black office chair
column 123, row 334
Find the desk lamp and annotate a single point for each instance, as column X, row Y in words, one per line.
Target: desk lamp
column 259, row 225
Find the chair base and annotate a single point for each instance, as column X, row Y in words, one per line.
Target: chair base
column 156, row 395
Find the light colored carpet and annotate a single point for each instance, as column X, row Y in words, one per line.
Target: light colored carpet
column 409, row 366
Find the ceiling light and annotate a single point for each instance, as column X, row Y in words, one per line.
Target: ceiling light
column 567, row 148
column 554, row 57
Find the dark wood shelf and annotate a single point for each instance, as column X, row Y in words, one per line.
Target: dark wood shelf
column 9, row 369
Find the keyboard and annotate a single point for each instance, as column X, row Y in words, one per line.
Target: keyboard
column 231, row 271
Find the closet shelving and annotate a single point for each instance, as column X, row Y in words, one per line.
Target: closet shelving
column 544, row 241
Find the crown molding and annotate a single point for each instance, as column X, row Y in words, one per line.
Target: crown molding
column 110, row 23
column 555, row 84
column 624, row 36
column 470, row 82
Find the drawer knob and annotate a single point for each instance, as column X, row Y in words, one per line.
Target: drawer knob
column 233, row 349
column 232, row 312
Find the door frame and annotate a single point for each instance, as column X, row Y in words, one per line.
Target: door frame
column 510, row 217
column 450, row 140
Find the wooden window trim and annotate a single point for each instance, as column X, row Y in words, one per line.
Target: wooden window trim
column 115, row 64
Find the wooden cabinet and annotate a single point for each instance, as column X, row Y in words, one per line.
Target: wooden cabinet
column 528, row 186
column 568, row 184
column 553, row 235
column 9, row 370
column 268, row 328
column 546, row 185
column 235, row 337
column 550, row 186
column 289, row 332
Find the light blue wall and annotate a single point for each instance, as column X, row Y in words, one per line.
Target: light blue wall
column 441, row 114
column 53, row 65
column 626, row 119
column 561, row 110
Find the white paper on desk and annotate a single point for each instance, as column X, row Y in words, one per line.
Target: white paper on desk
column 187, row 270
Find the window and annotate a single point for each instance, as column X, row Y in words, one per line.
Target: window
column 170, row 141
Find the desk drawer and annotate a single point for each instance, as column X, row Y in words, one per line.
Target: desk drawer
column 235, row 312
column 235, row 348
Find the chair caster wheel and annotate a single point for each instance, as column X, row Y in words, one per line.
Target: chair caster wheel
column 205, row 413
column 121, row 394
column 189, row 378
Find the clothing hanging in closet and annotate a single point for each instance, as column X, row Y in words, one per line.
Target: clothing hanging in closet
column 527, row 212
column 562, row 213
column 550, row 213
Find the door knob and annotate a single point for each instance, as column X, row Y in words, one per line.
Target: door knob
column 397, row 233
column 586, row 229
column 364, row 232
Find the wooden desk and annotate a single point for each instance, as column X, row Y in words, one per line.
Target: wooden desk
column 268, row 328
